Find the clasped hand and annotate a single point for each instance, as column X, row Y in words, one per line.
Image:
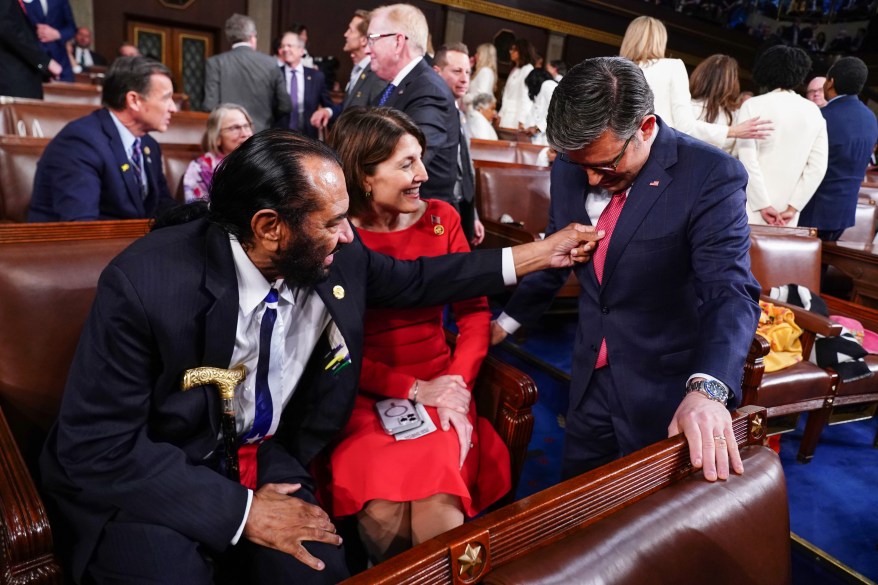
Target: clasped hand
column 451, row 398
column 574, row 243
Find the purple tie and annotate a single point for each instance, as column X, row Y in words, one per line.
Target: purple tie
column 137, row 160
column 294, row 100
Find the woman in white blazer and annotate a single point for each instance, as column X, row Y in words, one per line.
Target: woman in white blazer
column 480, row 116
column 644, row 43
column 515, row 106
column 716, row 93
column 786, row 168
column 484, row 78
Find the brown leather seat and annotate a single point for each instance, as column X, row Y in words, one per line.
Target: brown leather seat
column 18, row 165
column 863, row 229
column 175, row 160
column 495, row 150
column 646, row 518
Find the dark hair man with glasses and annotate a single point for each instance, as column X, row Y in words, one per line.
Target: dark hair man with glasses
column 106, row 165
column 668, row 306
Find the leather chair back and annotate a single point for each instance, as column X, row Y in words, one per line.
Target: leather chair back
column 18, row 165
column 175, row 160
column 495, row 150
column 781, row 256
column 522, row 193
column 863, row 230
column 72, row 93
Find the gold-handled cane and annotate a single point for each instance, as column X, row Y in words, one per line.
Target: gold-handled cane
column 226, row 381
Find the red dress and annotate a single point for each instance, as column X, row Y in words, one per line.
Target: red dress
column 401, row 345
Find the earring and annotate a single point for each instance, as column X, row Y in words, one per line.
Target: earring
column 368, row 194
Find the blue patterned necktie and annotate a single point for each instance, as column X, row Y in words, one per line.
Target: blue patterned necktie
column 137, row 161
column 264, row 412
column 386, row 95
column 294, row 100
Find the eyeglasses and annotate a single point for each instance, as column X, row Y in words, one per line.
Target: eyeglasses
column 237, row 128
column 371, row 38
column 610, row 168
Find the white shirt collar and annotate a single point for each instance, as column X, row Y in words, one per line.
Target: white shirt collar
column 124, row 133
column 405, row 71
column 364, row 62
column 242, row 44
column 252, row 285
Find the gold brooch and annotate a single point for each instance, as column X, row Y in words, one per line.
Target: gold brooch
column 338, row 292
column 125, row 167
column 438, row 230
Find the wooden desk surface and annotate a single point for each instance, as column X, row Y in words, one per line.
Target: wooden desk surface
column 860, row 262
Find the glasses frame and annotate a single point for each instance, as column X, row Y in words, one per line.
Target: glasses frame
column 371, row 38
column 238, row 128
column 611, row 168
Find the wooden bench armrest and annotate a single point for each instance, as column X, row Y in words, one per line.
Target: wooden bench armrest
column 867, row 316
column 26, row 538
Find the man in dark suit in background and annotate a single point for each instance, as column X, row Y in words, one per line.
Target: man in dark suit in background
column 24, row 65
column 852, row 132
column 397, row 41
column 306, row 87
column 246, row 77
column 105, row 165
column 84, row 57
column 668, row 306
column 55, row 26
column 274, row 279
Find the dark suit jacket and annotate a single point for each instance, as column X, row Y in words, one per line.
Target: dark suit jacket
column 366, row 90
column 60, row 17
column 85, row 174
column 129, row 441
column 23, row 61
column 852, row 132
column 427, row 100
column 315, row 95
column 677, row 296
column 248, row 78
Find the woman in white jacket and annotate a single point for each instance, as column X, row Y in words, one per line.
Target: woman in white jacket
column 786, row 168
column 515, row 106
column 484, row 78
column 644, row 43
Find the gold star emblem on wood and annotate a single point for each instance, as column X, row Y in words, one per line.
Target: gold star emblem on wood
column 471, row 560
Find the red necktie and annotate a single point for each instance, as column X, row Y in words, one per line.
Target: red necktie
column 21, row 3
column 606, row 222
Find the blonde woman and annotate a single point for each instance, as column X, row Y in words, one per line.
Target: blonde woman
column 484, row 78
column 644, row 43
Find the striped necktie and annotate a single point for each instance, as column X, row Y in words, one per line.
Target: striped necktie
column 607, row 222
column 386, row 94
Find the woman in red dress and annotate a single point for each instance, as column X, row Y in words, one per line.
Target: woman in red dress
column 407, row 491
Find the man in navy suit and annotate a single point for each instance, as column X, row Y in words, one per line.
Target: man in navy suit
column 306, row 86
column 668, row 306
column 852, row 132
column 54, row 24
column 397, row 42
column 132, row 462
column 105, row 165
column 24, row 65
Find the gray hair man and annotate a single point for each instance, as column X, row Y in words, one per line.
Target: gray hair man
column 246, row 77
column 668, row 306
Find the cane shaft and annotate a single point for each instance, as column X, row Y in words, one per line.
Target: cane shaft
column 230, row 440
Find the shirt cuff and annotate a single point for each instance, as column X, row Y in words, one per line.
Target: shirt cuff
column 240, row 531
column 509, row 277
column 507, row 323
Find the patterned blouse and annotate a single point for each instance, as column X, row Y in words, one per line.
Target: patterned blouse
column 199, row 176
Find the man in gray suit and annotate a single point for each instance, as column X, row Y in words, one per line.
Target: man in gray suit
column 246, row 77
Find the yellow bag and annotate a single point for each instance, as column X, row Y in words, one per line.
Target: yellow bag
column 778, row 326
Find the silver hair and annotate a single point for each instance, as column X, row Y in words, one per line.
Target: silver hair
column 600, row 94
column 482, row 100
column 240, row 28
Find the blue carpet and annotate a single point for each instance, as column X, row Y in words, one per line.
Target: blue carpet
column 833, row 499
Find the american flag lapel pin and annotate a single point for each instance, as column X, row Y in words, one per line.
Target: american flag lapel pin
column 654, row 184
column 438, row 228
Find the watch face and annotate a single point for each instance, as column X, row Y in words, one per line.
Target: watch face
column 714, row 388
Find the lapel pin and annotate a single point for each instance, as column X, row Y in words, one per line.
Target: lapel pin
column 125, row 167
column 338, row 292
column 438, row 228
column 654, row 184
column 146, row 150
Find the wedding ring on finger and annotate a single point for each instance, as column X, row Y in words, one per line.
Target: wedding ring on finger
column 471, row 445
column 719, row 438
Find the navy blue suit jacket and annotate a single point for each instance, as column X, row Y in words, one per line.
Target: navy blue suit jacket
column 316, row 96
column 425, row 97
column 852, row 132
column 60, row 17
column 128, row 441
column 85, row 174
column 677, row 296
column 23, row 61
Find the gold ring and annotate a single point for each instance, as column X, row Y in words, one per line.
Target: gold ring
column 719, row 438
column 471, row 445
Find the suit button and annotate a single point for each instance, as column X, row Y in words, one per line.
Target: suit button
column 605, row 310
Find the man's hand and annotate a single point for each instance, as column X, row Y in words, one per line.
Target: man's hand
column 770, row 215
column 448, row 391
column 707, row 425
column 54, row 69
column 320, row 117
column 47, row 34
column 498, row 334
column 478, row 233
column 282, row 522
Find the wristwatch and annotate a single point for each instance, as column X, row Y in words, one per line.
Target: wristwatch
column 710, row 388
